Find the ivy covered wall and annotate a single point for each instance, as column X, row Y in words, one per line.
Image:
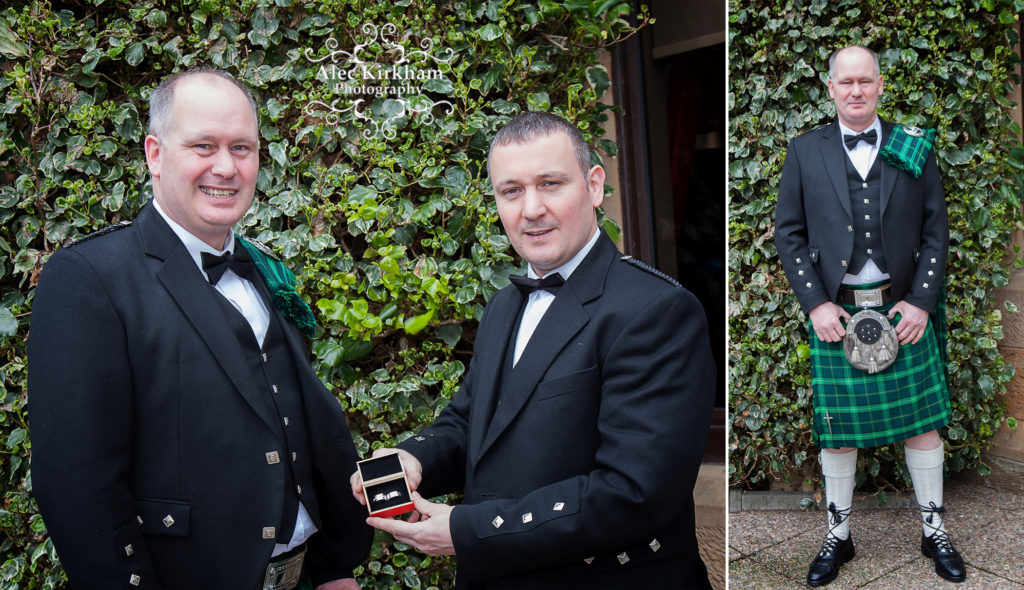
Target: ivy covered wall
column 375, row 124
column 946, row 64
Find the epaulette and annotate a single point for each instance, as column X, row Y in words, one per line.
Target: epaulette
column 100, row 232
column 650, row 269
column 263, row 248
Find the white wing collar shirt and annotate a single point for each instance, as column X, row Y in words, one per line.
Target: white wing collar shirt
column 244, row 296
column 540, row 300
column 862, row 156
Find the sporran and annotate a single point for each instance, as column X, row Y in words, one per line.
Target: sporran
column 870, row 343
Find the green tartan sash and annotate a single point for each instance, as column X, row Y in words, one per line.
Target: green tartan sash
column 281, row 282
column 908, row 148
column 855, row 409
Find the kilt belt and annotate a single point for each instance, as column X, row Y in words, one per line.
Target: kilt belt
column 855, row 409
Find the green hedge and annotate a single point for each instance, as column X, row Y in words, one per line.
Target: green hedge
column 946, row 64
column 382, row 209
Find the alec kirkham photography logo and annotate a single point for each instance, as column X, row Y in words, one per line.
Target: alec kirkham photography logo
column 381, row 92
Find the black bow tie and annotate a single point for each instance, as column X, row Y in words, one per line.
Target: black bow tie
column 214, row 265
column 868, row 136
column 526, row 285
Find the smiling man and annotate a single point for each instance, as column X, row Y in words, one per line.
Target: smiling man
column 578, row 431
column 859, row 231
column 180, row 438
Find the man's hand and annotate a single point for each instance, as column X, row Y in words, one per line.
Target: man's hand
column 912, row 324
column 413, row 472
column 427, row 527
column 346, row 584
column 825, row 319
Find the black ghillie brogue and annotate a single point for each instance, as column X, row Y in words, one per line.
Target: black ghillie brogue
column 834, row 551
column 948, row 563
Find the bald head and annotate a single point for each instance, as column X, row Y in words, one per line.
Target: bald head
column 852, row 49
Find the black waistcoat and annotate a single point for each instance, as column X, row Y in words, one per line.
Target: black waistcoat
column 274, row 370
column 866, row 206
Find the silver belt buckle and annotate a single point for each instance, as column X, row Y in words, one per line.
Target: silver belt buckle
column 868, row 297
column 284, row 574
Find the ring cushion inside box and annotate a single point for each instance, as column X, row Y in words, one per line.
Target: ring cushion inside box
column 387, row 494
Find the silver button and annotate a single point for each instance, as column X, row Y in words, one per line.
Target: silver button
column 849, row 228
column 559, row 506
column 925, row 285
column 867, row 201
column 286, row 421
column 298, row 488
column 933, row 261
column 808, row 284
column 129, row 550
column 420, row 438
column 622, row 557
column 269, row 532
column 497, row 522
column 274, row 387
column 931, row 273
column 135, row 580
column 800, row 272
column 273, row 458
column 798, row 260
column 295, row 456
column 869, row 250
column 867, row 217
column 138, row 518
column 654, row 545
column 264, row 357
column 588, row 560
column 843, row 262
column 528, row 518
column 864, row 185
column 168, row 521
column 867, row 234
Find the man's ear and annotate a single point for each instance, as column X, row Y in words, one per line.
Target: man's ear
column 595, row 184
column 152, row 146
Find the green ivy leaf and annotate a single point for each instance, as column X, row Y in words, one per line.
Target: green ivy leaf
column 135, row 53
column 277, row 152
column 9, row 43
column 597, row 77
column 490, row 32
column 414, row 324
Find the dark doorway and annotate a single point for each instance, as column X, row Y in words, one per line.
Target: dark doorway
column 671, row 83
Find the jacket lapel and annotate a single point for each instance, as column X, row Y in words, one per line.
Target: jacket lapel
column 488, row 369
column 889, row 174
column 834, row 158
column 177, row 272
column 559, row 326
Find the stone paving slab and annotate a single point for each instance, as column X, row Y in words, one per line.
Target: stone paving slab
column 771, row 549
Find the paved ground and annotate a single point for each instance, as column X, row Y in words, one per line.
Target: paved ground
column 771, row 549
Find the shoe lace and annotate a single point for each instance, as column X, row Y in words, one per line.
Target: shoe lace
column 938, row 535
column 836, row 518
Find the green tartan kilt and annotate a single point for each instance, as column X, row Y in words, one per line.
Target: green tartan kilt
column 855, row 409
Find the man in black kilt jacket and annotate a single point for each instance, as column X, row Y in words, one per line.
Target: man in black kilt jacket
column 856, row 229
column 180, row 438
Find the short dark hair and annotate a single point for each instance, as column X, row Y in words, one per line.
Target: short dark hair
column 162, row 98
column 832, row 59
column 526, row 126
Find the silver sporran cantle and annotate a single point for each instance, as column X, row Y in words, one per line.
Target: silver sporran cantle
column 870, row 343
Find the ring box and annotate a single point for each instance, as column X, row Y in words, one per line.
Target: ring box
column 384, row 486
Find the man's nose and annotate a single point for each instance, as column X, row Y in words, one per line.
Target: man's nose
column 223, row 164
column 533, row 204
